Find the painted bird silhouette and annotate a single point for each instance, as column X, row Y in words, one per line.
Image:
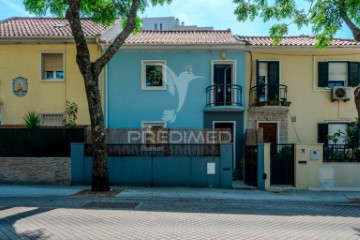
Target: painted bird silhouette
column 180, row 85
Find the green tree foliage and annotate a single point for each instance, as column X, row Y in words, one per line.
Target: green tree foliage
column 104, row 12
column 71, row 110
column 325, row 16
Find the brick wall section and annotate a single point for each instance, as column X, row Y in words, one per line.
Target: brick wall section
column 52, row 170
column 269, row 114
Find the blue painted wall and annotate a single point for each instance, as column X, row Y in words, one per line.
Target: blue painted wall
column 128, row 105
column 169, row 170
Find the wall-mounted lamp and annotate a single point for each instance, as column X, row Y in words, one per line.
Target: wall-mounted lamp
column 223, row 55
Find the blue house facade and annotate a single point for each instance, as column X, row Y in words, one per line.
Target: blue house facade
column 179, row 80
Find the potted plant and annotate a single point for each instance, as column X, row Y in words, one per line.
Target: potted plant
column 155, row 77
column 259, row 102
column 285, row 102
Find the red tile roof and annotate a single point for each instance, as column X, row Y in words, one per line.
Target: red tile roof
column 45, row 27
column 293, row 41
column 182, row 37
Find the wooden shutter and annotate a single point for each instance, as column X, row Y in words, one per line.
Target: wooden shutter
column 323, row 74
column 273, row 80
column 323, row 133
column 354, row 74
column 52, row 62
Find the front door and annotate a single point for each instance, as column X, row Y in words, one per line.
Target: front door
column 231, row 127
column 270, row 133
column 223, row 78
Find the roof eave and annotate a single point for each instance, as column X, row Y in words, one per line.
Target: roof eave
column 42, row 39
column 308, row 47
column 187, row 46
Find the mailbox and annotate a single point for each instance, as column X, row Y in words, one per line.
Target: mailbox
column 211, row 168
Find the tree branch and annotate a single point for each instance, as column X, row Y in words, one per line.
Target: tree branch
column 354, row 29
column 120, row 39
column 83, row 54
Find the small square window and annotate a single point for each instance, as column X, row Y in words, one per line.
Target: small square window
column 52, row 68
column 153, row 75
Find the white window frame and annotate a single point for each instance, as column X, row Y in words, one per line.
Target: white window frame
column 337, row 122
column 266, row 76
column 161, row 63
column 54, row 72
column 233, row 80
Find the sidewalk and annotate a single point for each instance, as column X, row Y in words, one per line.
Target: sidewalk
column 173, row 193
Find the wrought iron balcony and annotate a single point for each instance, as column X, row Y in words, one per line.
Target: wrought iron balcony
column 269, row 95
column 227, row 95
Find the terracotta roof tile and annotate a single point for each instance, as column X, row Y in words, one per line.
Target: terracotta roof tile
column 182, row 37
column 45, row 27
column 294, row 41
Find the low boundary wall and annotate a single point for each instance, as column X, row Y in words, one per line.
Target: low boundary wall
column 157, row 170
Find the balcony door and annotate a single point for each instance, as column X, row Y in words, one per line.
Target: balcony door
column 268, row 80
column 223, row 78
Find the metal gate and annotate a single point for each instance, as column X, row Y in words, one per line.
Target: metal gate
column 251, row 165
column 282, row 164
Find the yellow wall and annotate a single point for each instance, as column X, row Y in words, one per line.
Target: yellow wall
column 307, row 173
column 310, row 105
column 25, row 60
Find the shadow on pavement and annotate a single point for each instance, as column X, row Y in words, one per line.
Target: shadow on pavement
column 9, row 231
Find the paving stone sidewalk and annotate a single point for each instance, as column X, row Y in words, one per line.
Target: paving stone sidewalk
column 55, row 212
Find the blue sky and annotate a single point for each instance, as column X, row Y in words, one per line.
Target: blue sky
column 216, row 13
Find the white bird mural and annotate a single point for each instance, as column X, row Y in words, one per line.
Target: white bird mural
column 180, row 85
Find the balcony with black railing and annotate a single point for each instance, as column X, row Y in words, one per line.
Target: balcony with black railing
column 224, row 97
column 269, row 95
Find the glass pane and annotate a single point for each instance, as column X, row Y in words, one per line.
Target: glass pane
column 59, row 75
column 154, row 76
column 49, row 75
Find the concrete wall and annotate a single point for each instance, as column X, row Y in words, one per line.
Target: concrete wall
column 264, row 174
column 310, row 104
column 129, row 105
column 307, row 174
column 157, row 170
column 50, row 170
column 43, row 96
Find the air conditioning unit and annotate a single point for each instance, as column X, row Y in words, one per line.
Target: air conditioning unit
column 340, row 93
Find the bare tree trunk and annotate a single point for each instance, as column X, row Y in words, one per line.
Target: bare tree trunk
column 100, row 176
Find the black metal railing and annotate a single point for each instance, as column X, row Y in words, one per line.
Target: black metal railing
column 341, row 153
column 224, row 95
column 159, row 149
column 269, row 95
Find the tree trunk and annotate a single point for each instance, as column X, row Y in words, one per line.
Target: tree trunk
column 357, row 104
column 100, row 176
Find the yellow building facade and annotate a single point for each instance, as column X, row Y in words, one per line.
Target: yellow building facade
column 38, row 70
column 297, row 70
